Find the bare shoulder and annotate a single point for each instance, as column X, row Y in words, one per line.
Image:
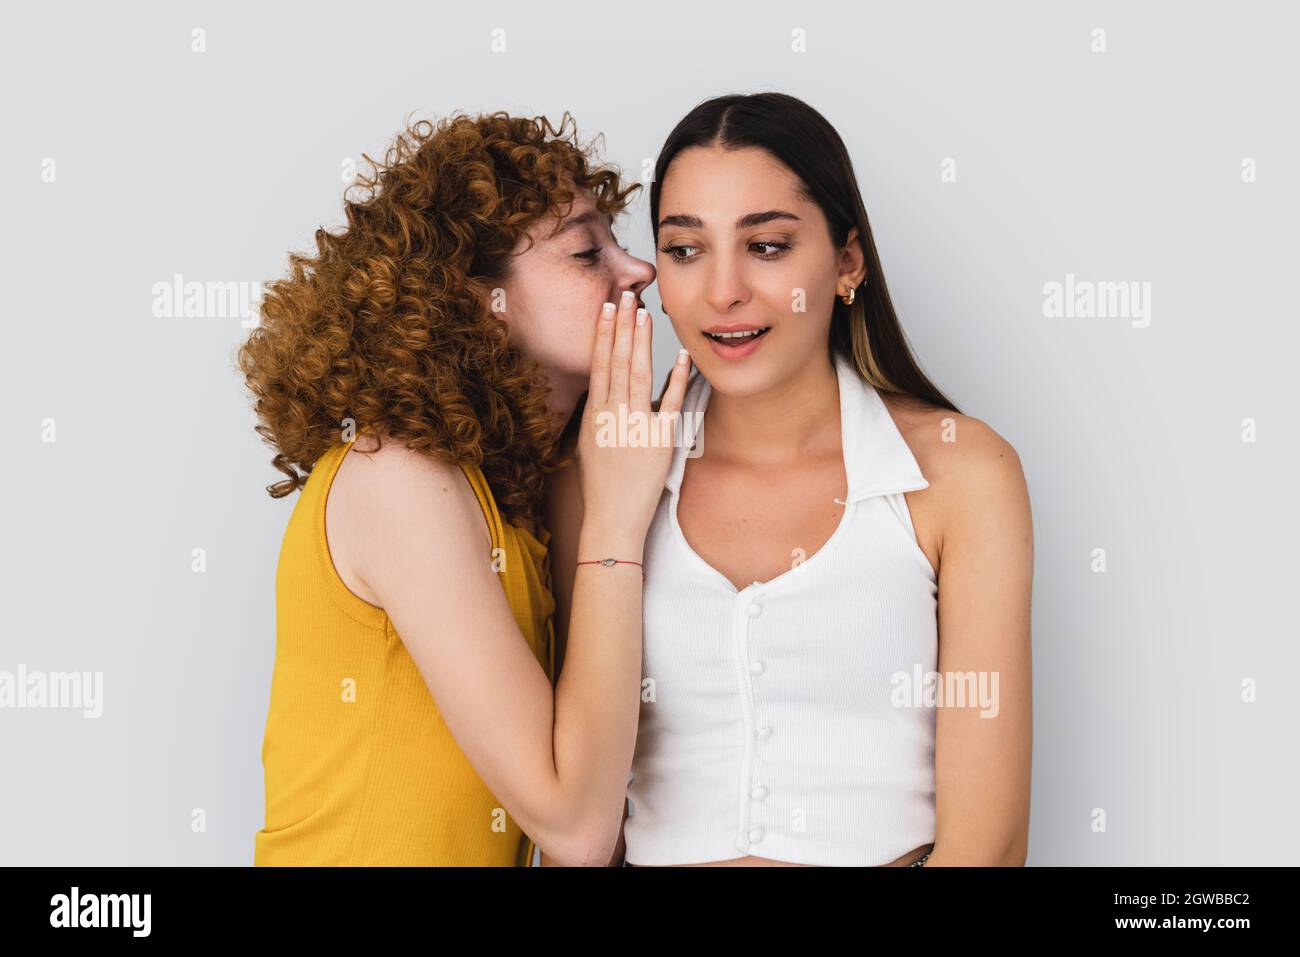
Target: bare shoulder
column 389, row 479
column 967, row 463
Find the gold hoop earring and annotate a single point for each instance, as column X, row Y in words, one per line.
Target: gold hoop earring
column 848, row 300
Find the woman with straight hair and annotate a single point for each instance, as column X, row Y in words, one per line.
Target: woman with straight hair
column 836, row 664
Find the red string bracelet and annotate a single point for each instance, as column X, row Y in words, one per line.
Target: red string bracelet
column 607, row 562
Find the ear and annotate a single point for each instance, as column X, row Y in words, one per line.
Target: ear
column 852, row 264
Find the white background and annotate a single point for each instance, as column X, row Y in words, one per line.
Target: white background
column 1120, row 166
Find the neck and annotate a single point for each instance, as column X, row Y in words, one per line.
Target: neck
column 563, row 399
column 780, row 425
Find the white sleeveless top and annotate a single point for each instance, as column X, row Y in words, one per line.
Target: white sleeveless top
column 781, row 720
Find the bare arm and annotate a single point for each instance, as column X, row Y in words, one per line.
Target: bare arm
column 427, row 559
column 413, row 535
column 982, row 764
column 564, row 519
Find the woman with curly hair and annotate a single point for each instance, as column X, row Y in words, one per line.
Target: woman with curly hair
column 444, row 338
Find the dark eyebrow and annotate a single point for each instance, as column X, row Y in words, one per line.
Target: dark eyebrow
column 745, row 222
column 591, row 216
column 758, row 219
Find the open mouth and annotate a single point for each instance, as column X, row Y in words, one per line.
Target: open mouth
column 737, row 338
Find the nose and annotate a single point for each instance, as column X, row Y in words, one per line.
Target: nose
column 637, row 275
column 726, row 286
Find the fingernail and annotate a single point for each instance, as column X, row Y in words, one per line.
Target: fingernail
column 629, row 297
column 640, row 317
column 682, row 356
column 607, row 311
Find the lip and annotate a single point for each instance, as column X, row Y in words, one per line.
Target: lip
column 742, row 327
column 736, row 353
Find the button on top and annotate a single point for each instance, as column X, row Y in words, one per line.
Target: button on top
column 756, row 667
column 755, row 834
column 755, row 611
column 742, row 844
column 758, row 793
column 764, row 732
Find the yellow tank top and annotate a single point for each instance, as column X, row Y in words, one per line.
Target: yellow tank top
column 360, row 768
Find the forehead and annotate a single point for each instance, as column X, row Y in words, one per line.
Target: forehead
column 701, row 179
column 555, row 234
column 579, row 218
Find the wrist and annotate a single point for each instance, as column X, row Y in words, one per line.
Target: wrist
column 599, row 540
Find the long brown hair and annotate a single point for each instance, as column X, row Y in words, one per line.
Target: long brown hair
column 867, row 332
column 390, row 325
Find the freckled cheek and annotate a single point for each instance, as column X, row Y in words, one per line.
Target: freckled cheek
column 583, row 296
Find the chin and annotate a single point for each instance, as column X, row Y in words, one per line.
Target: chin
column 757, row 378
column 735, row 380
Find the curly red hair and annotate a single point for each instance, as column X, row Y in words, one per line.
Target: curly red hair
column 390, row 324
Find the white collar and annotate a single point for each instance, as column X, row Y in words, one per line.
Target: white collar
column 876, row 459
